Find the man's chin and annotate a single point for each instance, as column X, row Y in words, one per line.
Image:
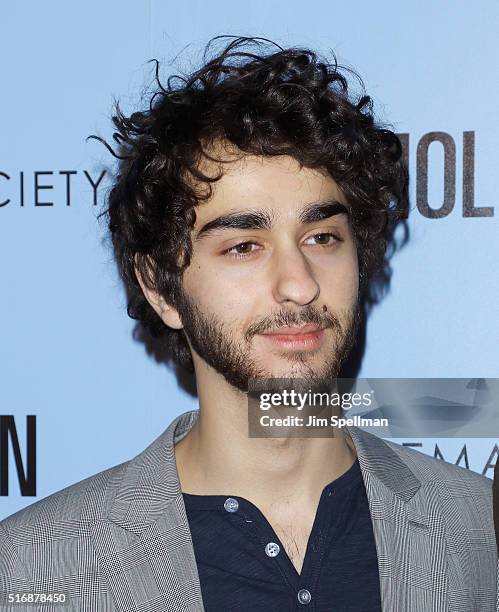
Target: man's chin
column 300, row 368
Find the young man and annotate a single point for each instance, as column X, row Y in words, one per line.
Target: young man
column 250, row 219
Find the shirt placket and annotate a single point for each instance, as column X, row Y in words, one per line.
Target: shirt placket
column 301, row 586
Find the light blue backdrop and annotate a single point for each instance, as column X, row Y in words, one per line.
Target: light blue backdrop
column 66, row 351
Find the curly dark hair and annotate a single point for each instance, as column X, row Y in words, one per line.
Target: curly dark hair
column 265, row 102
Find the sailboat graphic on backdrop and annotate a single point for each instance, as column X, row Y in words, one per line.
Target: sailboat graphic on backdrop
column 454, row 407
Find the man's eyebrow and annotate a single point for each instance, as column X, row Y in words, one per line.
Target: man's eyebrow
column 253, row 219
column 263, row 219
column 317, row 211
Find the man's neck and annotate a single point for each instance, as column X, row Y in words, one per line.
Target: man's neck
column 278, row 474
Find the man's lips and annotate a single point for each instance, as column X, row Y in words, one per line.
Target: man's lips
column 302, row 338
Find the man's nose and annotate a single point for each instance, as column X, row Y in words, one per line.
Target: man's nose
column 293, row 280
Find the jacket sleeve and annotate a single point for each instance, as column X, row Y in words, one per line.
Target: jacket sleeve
column 13, row 573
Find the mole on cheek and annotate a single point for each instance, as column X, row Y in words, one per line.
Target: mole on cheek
column 324, row 308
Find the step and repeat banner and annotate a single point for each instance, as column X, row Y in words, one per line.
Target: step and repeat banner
column 79, row 390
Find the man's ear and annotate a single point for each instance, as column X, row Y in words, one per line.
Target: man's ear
column 168, row 314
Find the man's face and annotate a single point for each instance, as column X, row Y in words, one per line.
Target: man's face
column 273, row 251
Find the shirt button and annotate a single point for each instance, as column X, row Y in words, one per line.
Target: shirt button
column 231, row 504
column 304, row 596
column 272, row 549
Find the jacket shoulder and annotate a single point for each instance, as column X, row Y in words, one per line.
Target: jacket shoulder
column 66, row 512
column 52, row 527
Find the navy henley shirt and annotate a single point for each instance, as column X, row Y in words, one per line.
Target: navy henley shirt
column 243, row 565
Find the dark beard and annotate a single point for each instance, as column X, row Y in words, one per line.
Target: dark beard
column 216, row 346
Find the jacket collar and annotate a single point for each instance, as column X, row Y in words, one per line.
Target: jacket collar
column 379, row 460
column 152, row 478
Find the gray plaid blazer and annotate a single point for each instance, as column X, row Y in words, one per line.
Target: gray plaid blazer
column 120, row 540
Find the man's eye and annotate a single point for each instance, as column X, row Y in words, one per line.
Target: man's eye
column 245, row 249
column 240, row 250
column 323, row 239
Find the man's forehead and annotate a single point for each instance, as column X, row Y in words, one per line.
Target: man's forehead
column 241, row 171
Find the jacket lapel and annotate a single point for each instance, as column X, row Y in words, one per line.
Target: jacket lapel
column 145, row 548
column 408, row 529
